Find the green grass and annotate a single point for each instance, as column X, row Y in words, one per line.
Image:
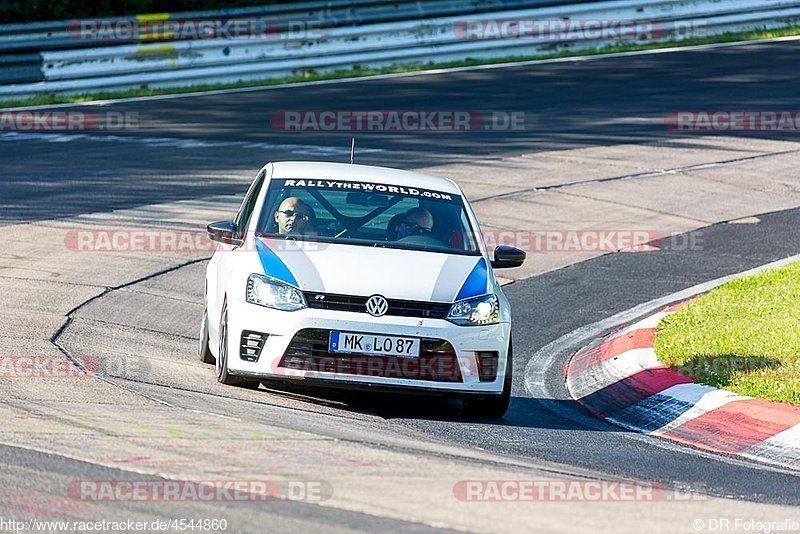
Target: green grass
column 743, row 336
column 47, row 99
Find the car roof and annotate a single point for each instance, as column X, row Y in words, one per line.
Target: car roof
column 365, row 173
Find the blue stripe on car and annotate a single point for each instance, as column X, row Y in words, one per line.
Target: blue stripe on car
column 475, row 284
column 273, row 265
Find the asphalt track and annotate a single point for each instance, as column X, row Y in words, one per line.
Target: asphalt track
column 571, row 104
column 181, row 142
column 30, row 476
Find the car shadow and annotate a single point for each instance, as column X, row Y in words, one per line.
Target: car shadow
column 523, row 412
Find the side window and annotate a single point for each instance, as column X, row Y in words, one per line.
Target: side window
column 249, row 203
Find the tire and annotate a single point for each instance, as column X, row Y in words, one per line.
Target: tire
column 496, row 406
column 206, row 355
column 223, row 377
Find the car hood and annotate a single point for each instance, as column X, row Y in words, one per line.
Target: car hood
column 365, row 271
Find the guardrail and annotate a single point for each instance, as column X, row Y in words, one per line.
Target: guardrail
column 38, row 36
column 366, row 33
column 20, row 42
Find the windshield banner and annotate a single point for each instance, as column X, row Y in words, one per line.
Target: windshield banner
column 369, row 187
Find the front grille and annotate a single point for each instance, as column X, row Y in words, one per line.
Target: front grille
column 399, row 308
column 251, row 346
column 308, row 351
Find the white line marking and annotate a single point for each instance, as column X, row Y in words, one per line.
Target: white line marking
column 177, row 142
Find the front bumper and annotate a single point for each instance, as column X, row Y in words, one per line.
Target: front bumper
column 464, row 343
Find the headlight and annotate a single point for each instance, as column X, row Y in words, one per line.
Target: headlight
column 266, row 291
column 475, row 311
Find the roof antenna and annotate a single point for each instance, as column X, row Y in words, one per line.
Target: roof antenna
column 353, row 151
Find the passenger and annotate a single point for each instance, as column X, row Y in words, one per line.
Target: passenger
column 417, row 221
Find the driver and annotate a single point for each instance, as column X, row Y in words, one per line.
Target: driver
column 417, row 221
column 292, row 216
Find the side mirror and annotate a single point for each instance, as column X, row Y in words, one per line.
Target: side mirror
column 224, row 232
column 506, row 257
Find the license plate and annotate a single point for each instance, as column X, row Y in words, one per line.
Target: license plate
column 355, row 343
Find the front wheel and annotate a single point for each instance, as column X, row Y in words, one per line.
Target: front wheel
column 494, row 407
column 223, row 377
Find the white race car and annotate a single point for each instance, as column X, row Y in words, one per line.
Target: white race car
column 359, row 277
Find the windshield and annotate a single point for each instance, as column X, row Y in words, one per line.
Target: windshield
column 367, row 214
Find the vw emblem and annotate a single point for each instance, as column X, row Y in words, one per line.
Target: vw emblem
column 377, row 306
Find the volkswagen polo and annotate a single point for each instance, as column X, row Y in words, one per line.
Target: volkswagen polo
column 359, row 277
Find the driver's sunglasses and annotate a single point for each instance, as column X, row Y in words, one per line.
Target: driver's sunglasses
column 417, row 229
column 294, row 213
